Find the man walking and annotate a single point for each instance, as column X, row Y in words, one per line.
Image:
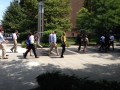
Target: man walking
column 14, row 36
column 2, row 40
column 54, row 43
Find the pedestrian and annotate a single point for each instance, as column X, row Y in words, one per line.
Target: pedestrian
column 2, row 40
column 54, row 43
column 63, row 44
column 31, row 46
column 85, row 43
column 112, row 38
column 79, row 41
column 14, row 37
column 107, row 42
column 102, row 43
column 50, row 38
column 37, row 40
column 28, row 44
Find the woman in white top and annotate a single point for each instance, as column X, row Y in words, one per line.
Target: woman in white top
column 31, row 46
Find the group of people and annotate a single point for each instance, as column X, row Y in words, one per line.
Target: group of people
column 53, row 43
column 106, row 41
column 82, row 39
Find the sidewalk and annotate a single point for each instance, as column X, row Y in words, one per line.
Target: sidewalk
column 17, row 73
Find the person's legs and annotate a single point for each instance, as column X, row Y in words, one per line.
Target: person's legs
column 79, row 48
column 56, row 50
column 63, row 50
column 15, row 46
column 34, row 51
column 51, row 48
column 25, row 54
column 3, row 51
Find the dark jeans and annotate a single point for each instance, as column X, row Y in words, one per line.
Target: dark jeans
column 29, row 48
column 111, row 44
column 63, row 50
column 79, row 48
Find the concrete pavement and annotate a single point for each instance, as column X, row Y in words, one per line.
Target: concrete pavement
column 17, row 73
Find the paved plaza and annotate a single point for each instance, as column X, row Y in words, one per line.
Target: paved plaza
column 17, row 73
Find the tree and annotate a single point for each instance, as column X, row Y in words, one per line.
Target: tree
column 13, row 18
column 104, row 16
column 57, row 15
column 31, row 11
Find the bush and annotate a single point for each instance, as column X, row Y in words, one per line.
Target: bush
column 47, row 33
column 22, row 36
column 58, row 81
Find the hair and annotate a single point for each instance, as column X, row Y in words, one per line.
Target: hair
column 64, row 33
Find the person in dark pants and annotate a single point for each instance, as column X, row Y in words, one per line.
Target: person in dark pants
column 79, row 41
column 63, row 44
column 107, row 42
column 31, row 46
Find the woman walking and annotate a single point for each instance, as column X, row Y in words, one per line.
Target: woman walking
column 31, row 46
column 63, row 44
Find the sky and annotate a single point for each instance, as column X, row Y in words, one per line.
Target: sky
column 3, row 6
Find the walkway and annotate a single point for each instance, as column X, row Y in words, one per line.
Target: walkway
column 17, row 73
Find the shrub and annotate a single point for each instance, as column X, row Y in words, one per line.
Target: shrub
column 47, row 33
column 58, row 81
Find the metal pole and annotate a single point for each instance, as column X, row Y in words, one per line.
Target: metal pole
column 40, row 20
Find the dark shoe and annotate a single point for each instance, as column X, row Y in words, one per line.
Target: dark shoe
column 24, row 56
column 62, row 57
column 16, row 52
column 11, row 50
column 5, row 58
column 36, row 57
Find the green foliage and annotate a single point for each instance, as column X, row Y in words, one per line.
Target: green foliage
column 46, row 34
column 58, row 81
column 22, row 36
column 13, row 18
column 100, row 16
column 57, row 15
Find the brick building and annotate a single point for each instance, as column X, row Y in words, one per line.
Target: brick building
column 76, row 5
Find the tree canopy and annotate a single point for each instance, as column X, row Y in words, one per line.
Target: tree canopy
column 100, row 16
column 23, row 16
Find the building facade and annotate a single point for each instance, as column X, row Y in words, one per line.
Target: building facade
column 75, row 5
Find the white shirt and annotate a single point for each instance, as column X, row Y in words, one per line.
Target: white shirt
column 112, row 38
column 54, row 38
column 103, row 38
column 50, row 38
column 1, row 38
column 31, row 38
column 14, row 36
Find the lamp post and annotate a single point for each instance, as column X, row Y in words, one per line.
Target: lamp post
column 40, row 19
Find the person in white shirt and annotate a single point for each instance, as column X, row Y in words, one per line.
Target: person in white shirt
column 112, row 38
column 2, row 40
column 54, row 43
column 14, row 36
column 31, row 46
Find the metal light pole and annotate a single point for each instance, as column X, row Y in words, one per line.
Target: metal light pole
column 40, row 19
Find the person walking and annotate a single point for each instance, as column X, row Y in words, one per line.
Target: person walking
column 54, row 43
column 2, row 40
column 14, row 37
column 112, row 38
column 79, row 41
column 63, row 44
column 85, row 43
column 102, row 43
column 31, row 46
column 28, row 44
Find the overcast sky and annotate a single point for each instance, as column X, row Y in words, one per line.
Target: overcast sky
column 3, row 6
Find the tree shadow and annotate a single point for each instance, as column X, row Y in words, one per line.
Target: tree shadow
column 21, row 74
